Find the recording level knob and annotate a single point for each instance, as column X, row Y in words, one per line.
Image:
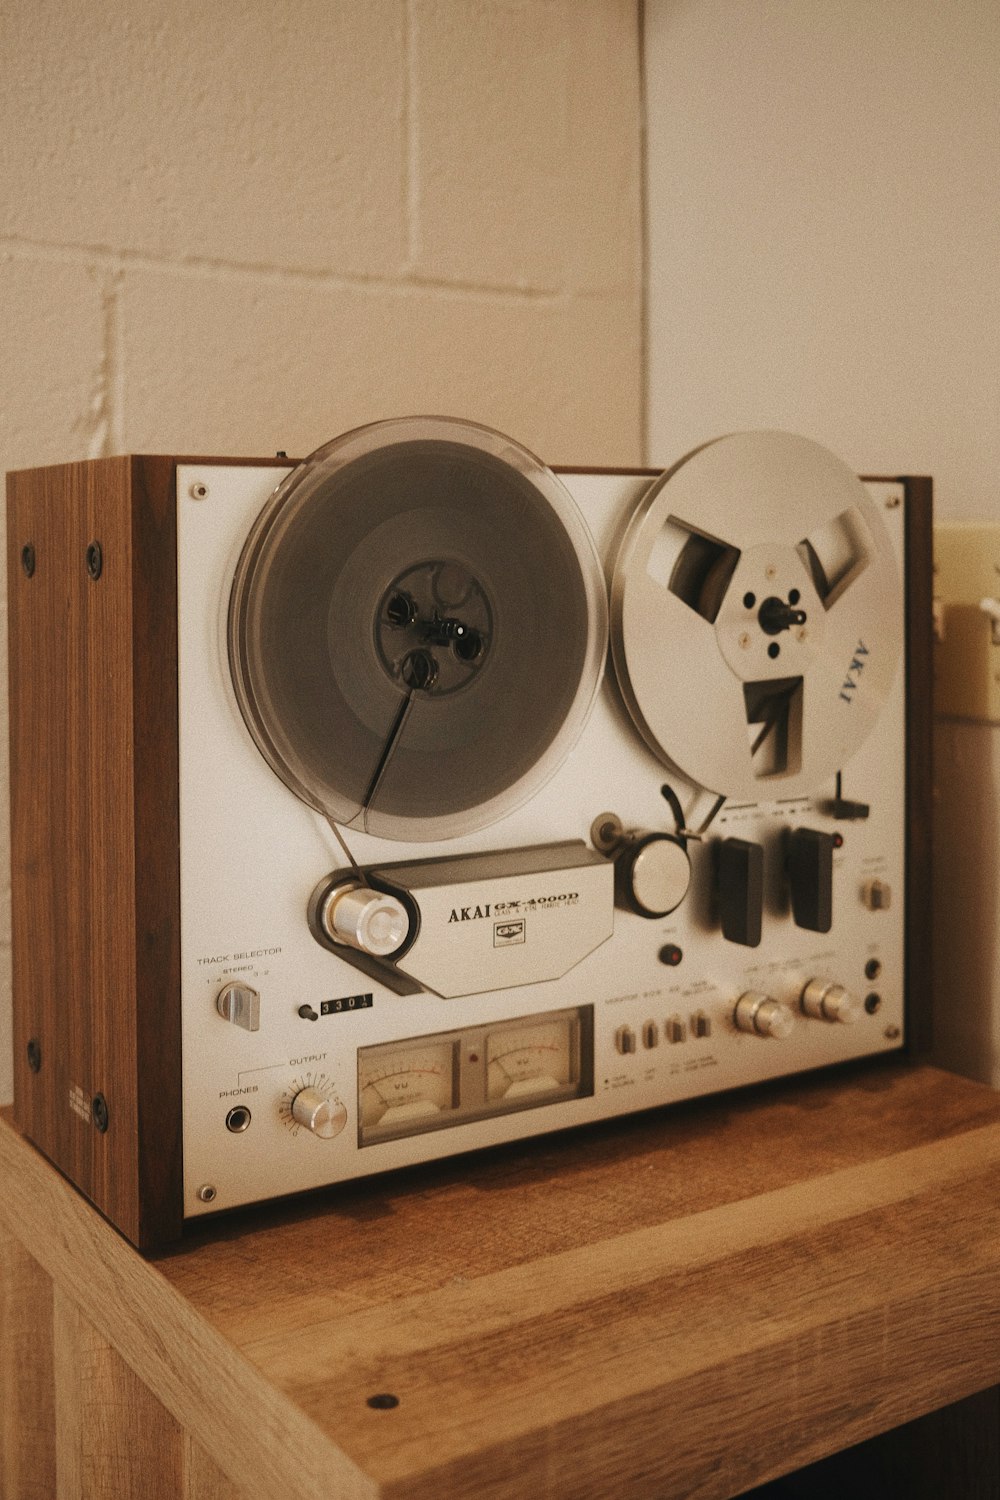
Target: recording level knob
column 368, row 920
column 830, row 1002
column 763, row 1016
column 324, row 1116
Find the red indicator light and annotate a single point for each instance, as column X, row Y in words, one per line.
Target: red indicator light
column 838, row 841
column 671, row 954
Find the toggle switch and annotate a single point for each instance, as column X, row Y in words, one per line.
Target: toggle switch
column 625, row 1040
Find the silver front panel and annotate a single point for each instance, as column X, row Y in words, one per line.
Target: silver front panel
column 657, row 1032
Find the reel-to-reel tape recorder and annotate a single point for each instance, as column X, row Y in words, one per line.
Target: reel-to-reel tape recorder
column 342, row 840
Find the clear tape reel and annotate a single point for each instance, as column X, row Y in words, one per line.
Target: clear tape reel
column 756, row 625
column 417, row 628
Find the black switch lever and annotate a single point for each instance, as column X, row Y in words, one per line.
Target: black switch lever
column 810, row 876
column 741, row 890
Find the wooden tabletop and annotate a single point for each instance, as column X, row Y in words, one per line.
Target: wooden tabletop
column 679, row 1304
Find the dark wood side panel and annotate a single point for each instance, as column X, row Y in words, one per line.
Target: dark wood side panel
column 94, row 832
column 919, row 769
column 157, row 837
column 71, row 825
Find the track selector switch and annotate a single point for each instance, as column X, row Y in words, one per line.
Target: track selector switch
column 810, row 876
column 741, row 890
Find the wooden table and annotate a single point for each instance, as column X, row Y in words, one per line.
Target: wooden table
column 683, row 1304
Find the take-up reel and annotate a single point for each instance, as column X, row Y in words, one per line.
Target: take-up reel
column 754, row 625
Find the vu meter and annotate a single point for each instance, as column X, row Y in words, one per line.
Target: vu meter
column 529, row 1059
column 406, row 1088
column 406, row 1085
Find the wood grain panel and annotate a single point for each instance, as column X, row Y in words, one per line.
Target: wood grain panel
column 155, row 850
column 94, row 831
column 27, row 1383
column 919, row 649
column 632, row 1311
column 203, row 1479
column 112, row 1435
column 256, row 1435
column 953, row 1454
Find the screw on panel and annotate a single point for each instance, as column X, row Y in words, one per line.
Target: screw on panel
column 95, row 561
column 892, row 503
column 199, row 490
column 28, row 559
column 34, row 1056
column 99, row 1112
column 206, row 1192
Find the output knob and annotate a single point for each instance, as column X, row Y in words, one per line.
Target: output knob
column 318, row 1112
column 830, row 1002
column 368, row 920
column 762, row 1015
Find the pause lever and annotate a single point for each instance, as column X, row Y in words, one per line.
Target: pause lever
column 741, row 890
column 810, row 877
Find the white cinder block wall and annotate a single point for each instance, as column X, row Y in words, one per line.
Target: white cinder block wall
column 245, row 226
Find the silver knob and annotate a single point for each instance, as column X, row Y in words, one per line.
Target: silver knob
column 365, row 919
column 760, row 1014
column 240, row 1004
column 830, row 1002
column 319, row 1113
column 657, row 872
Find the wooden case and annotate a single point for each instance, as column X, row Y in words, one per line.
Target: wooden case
column 92, row 572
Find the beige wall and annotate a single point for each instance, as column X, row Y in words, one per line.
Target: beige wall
column 824, row 255
column 244, row 226
column 824, row 241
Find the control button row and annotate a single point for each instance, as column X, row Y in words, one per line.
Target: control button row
column 675, row 1029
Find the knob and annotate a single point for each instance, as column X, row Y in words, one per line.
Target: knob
column 324, row 1116
column 763, row 1016
column 240, row 1004
column 830, row 1002
column 655, row 873
column 368, row 920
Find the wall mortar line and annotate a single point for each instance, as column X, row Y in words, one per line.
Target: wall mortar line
column 107, row 256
